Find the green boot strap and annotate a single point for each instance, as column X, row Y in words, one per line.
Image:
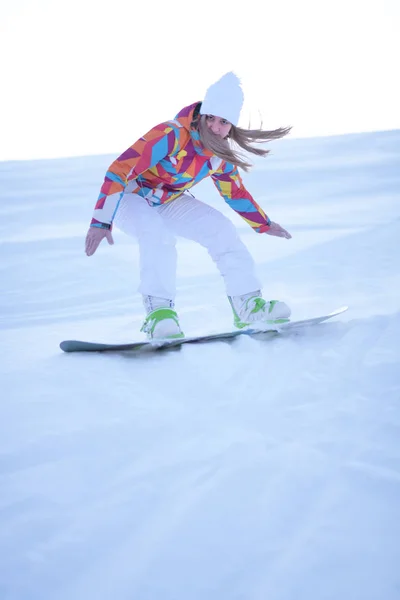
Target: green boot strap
column 157, row 315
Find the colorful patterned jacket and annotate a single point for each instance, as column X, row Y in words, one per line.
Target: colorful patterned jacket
column 166, row 162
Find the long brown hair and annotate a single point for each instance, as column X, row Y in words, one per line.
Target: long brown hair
column 238, row 139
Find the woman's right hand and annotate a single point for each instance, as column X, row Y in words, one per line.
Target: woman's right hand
column 94, row 237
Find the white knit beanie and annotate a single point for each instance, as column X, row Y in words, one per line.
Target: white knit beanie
column 224, row 99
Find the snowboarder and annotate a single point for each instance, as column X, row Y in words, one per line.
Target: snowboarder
column 146, row 194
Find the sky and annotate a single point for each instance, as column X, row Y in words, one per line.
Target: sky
column 83, row 77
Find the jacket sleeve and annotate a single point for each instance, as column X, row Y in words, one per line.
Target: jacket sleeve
column 230, row 185
column 144, row 154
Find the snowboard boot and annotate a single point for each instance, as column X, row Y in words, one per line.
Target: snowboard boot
column 252, row 310
column 162, row 321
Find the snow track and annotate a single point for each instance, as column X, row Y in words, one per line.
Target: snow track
column 239, row 470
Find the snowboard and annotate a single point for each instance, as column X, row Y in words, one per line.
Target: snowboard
column 81, row 346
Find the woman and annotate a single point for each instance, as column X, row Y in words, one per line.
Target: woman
column 147, row 188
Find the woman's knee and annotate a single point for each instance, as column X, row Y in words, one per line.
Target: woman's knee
column 221, row 230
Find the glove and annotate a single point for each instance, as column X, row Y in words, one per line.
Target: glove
column 94, row 237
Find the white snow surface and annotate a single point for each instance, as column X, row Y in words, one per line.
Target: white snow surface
column 249, row 470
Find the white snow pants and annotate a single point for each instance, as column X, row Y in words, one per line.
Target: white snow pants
column 156, row 229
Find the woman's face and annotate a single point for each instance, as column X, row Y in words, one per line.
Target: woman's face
column 218, row 125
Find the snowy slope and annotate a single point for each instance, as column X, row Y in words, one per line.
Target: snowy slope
column 240, row 471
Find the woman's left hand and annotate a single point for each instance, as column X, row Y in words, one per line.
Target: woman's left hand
column 278, row 231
